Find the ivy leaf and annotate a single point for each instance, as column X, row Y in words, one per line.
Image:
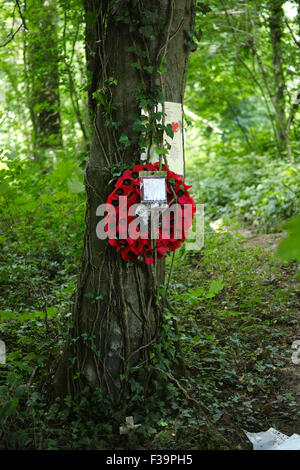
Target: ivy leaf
column 162, row 69
column 161, row 151
column 114, row 124
column 97, row 95
column 157, row 115
column 124, row 140
column 138, row 126
column 149, row 69
column 131, row 49
column 112, row 81
column 136, row 65
column 146, row 31
column 89, row 295
column 169, row 131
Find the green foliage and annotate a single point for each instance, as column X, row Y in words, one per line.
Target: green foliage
column 194, row 296
column 260, row 190
column 232, row 317
column 41, row 232
column 231, row 82
column 236, row 341
column 289, row 248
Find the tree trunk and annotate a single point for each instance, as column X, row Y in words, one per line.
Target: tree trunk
column 116, row 314
column 298, row 15
column 41, row 69
column 276, row 29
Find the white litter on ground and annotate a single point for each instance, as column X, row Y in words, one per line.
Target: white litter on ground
column 273, row 440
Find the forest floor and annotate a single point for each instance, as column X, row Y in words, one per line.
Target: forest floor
column 238, row 340
column 237, row 308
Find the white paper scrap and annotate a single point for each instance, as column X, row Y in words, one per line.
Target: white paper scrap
column 130, row 427
column 273, row 440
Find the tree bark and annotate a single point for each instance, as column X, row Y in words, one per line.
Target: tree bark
column 116, row 314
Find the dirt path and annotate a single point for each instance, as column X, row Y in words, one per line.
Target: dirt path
column 285, row 418
column 290, row 383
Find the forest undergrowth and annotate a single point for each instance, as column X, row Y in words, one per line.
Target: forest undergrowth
column 236, row 306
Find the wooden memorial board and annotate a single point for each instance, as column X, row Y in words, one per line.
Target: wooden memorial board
column 173, row 116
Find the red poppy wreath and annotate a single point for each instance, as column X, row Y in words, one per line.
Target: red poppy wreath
column 141, row 248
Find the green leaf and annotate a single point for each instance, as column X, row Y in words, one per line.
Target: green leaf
column 9, row 408
column 169, row 131
column 136, row 65
column 4, row 187
column 138, row 126
column 131, row 49
column 51, row 312
column 3, row 276
column 149, row 69
column 89, row 295
column 162, row 69
column 289, row 248
column 20, row 391
column 75, row 186
column 112, row 81
column 97, row 95
column 196, row 292
column 147, row 31
column 124, row 140
column 214, row 288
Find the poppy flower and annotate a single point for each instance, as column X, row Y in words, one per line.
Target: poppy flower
column 174, row 176
column 139, row 245
column 144, row 167
column 187, row 200
column 135, row 228
column 171, row 232
column 115, row 243
column 135, row 175
column 126, row 184
column 174, row 126
column 162, row 247
column 149, row 257
column 174, row 245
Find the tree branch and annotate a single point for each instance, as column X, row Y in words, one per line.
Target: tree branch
column 292, row 32
column 9, row 39
column 21, row 14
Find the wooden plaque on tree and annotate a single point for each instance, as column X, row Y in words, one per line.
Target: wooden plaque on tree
column 174, row 117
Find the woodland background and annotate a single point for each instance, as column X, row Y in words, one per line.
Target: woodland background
column 236, row 310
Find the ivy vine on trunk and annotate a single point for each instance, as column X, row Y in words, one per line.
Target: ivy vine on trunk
column 137, row 55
